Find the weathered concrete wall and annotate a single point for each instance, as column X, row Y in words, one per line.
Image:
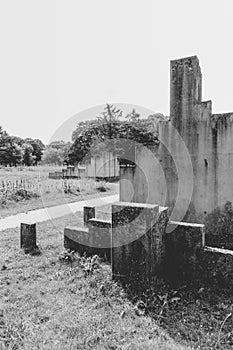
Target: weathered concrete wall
column 104, row 166
column 159, row 175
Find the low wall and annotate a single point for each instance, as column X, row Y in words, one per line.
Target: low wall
column 145, row 249
column 189, row 260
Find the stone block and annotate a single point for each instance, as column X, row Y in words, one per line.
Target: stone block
column 100, row 233
column 93, row 239
column 76, row 239
column 28, row 237
column 184, row 244
column 137, row 235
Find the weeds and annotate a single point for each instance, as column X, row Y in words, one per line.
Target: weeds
column 24, row 184
column 87, row 264
column 67, row 256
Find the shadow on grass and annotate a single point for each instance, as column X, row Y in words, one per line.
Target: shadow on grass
column 197, row 315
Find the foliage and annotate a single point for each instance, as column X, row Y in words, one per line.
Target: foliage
column 17, row 191
column 52, row 156
column 56, row 153
column 28, row 157
column 78, row 306
column 14, row 150
column 46, row 304
column 219, row 227
column 110, row 133
column 29, row 184
column 10, row 152
column 37, row 149
column 13, row 154
column 133, row 116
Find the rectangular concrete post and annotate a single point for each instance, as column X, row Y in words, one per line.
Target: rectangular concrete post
column 28, row 236
column 137, row 240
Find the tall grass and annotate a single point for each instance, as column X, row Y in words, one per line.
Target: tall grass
column 33, row 182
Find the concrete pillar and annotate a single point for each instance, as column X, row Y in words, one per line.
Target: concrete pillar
column 28, row 237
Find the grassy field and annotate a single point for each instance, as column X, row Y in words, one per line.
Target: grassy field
column 59, row 301
column 32, row 189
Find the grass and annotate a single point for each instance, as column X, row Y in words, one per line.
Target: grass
column 60, row 301
column 33, row 189
column 57, row 300
column 200, row 317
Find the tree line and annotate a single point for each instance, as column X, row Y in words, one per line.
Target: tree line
column 105, row 132
column 17, row 151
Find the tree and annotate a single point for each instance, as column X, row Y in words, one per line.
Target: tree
column 56, row 152
column 15, row 154
column 57, row 144
column 15, row 150
column 28, row 158
column 110, row 117
column 52, row 156
column 10, row 150
column 157, row 117
column 18, row 140
column 133, row 116
column 107, row 132
column 11, row 154
column 37, row 148
column 4, row 137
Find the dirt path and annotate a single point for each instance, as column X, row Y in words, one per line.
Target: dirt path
column 45, row 214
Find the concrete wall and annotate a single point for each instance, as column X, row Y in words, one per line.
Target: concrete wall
column 104, row 166
column 162, row 173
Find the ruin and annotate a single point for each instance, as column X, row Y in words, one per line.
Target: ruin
column 189, row 174
column 99, row 167
column 209, row 142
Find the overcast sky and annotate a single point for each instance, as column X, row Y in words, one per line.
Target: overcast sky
column 59, row 58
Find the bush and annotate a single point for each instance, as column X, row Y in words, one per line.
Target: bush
column 219, row 227
column 21, row 194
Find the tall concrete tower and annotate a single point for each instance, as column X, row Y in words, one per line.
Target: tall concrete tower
column 185, row 92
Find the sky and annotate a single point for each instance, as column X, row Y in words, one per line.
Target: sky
column 61, row 59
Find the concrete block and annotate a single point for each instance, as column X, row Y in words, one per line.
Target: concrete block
column 100, row 233
column 28, row 237
column 77, row 239
column 137, row 234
